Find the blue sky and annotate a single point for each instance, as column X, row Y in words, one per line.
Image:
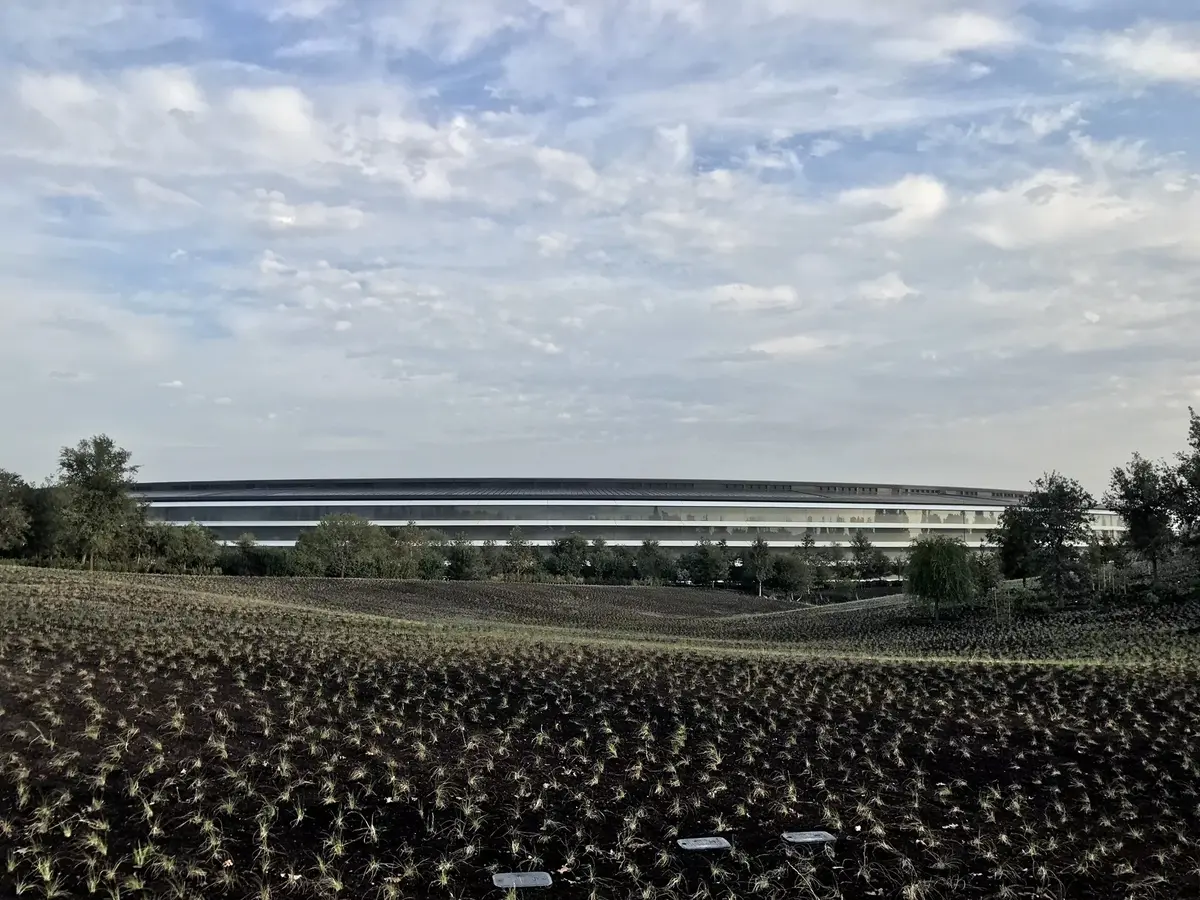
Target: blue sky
column 926, row 240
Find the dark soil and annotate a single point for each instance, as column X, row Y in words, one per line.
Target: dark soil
column 258, row 749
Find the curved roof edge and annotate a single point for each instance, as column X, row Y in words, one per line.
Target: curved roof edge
column 590, row 489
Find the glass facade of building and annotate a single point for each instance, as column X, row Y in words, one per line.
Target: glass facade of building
column 672, row 513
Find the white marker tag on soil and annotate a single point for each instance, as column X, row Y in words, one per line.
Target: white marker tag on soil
column 521, row 879
column 704, row 843
column 808, row 837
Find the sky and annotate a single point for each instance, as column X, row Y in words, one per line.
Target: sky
column 921, row 241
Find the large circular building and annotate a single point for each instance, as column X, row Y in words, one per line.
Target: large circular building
column 676, row 513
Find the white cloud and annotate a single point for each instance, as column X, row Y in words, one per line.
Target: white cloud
column 577, row 231
column 944, row 36
column 794, row 345
column 747, row 297
column 272, row 209
column 909, row 204
column 1048, row 208
column 887, row 288
column 1150, row 52
column 299, row 9
column 172, row 385
column 554, row 244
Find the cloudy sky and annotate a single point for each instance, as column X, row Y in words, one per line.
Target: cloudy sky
column 945, row 241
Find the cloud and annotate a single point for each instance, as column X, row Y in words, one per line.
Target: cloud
column 887, row 288
column 1049, row 208
column 945, row 36
column 747, row 298
column 1148, row 52
column 503, row 231
column 272, row 210
column 299, row 9
column 794, row 345
column 554, row 244
column 908, row 205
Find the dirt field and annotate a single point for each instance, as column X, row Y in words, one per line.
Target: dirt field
column 183, row 738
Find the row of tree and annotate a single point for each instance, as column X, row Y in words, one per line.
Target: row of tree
column 87, row 516
column 1049, row 536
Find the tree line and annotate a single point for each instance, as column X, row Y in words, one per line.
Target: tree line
column 1048, row 537
column 87, row 516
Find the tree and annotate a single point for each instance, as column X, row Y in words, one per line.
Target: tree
column 1184, row 486
column 97, row 477
column 408, row 546
column 493, row 559
column 985, row 570
column 878, row 564
column 520, row 561
column 1141, row 495
column 791, row 573
column 940, row 573
column 860, row 554
column 193, row 548
column 653, row 563
column 1016, row 542
column 434, row 559
column 621, row 565
column 1103, row 557
column 14, row 517
column 757, row 561
column 466, row 562
column 342, row 546
column 705, row 563
column 1060, row 515
column 830, row 560
column 47, row 535
column 568, row 556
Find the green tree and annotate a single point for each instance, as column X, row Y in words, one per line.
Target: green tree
column 940, row 573
column 246, row 544
column 343, row 546
column 1184, row 486
column 757, row 562
column 47, row 536
column 1060, row 512
column 985, row 570
column 653, row 563
column 434, row 561
column 830, row 560
column 520, row 559
column 408, row 548
column 1141, row 494
column 493, row 559
column 878, row 564
column 14, row 517
column 621, row 565
column 97, row 478
column 791, row 573
column 705, row 563
column 466, row 562
column 1015, row 540
column 861, row 549
column 600, row 561
column 569, row 556
column 193, row 550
